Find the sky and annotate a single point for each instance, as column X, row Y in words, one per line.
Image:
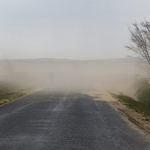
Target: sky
column 68, row 29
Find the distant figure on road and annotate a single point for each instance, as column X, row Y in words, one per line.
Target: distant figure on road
column 51, row 77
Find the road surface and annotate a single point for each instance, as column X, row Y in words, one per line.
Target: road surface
column 65, row 121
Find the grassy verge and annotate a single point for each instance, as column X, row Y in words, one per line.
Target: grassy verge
column 131, row 103
column 7, row 97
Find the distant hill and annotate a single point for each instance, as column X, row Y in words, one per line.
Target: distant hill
column 123, row 59
column 56, row 59
column 44, row 59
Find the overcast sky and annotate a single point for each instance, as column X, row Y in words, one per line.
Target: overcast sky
column 72, row 29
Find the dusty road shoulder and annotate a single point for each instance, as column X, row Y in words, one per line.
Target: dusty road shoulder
column 135, row 119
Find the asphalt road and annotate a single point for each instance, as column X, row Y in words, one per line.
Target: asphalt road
column 65, row 121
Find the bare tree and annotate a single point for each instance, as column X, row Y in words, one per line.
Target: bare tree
column 140, row 38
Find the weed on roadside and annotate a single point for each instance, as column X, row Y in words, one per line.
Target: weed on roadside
column 131, row 103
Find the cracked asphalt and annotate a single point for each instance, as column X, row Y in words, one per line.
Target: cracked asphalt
column 66, row 121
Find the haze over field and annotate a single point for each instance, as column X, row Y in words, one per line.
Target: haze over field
column 77, row 36
column 72, row 75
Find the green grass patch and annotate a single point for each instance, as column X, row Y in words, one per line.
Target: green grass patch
column 11, row 95
column 7, row 97
column 10, row 91
column 131, row 103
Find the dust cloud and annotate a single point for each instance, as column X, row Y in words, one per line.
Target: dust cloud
column 71, row 75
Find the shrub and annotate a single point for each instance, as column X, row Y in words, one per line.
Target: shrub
column 142, row 87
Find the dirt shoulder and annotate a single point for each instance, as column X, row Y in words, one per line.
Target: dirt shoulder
column 137, row 120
